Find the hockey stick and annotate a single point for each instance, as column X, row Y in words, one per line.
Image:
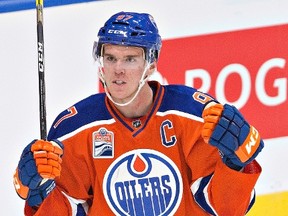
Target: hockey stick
column 41, row 70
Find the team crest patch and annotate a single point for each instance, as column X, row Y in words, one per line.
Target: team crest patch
column 143, row 182
column 103, row 144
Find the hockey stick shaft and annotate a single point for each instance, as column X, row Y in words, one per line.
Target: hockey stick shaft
column 41, row 70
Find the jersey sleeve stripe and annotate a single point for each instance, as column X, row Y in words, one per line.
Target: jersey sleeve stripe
column 179, row 113
column 199, row 190
column 252, row 200
column 79, row 207
column 92, row 124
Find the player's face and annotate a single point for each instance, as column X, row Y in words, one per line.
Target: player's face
column 123, row 67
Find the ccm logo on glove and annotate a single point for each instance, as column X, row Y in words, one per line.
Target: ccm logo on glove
column 251, row 143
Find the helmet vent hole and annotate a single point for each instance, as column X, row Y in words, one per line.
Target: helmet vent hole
column 137, row 33
column 134, row 33
column 120, row 23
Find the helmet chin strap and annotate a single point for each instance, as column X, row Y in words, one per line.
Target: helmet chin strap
column 140, row 85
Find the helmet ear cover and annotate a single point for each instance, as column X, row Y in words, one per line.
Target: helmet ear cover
column 130, row 29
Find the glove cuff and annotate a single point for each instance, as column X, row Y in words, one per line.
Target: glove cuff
column 36, row 196
column 231, row 165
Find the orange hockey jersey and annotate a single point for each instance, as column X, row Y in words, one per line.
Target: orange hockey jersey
column 154, row 165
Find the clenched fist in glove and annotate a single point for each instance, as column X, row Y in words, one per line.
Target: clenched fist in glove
column 39, row 165
column 225, row 128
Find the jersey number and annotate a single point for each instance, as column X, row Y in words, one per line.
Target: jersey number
column 202, row 98
column 71, row 112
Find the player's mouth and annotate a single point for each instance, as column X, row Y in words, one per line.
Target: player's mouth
column 119, row 82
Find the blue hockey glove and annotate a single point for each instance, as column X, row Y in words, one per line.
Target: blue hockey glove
column 225, row 128
column 39, row 164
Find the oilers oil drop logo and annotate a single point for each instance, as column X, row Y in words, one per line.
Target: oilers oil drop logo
column 143, row 182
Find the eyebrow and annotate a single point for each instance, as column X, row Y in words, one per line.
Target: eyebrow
column 126, row 56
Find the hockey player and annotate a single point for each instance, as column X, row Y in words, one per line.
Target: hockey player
column 140, row 148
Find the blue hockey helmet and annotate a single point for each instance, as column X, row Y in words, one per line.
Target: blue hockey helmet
column 130, row 29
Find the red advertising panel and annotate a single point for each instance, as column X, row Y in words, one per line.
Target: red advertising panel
column 247, row 68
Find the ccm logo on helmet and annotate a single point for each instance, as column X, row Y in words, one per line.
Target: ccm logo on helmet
column 111, row 31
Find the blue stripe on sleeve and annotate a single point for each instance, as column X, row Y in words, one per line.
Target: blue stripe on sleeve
column 199, row 194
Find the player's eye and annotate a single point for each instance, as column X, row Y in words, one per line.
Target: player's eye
column 110, row 59
column 130, row 59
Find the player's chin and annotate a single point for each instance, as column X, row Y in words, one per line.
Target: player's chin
column 118, row 93
column 118, row 90
column 122, row 91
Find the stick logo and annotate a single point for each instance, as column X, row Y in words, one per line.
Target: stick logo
column 40, row 57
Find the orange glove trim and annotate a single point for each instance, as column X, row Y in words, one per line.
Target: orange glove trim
column 53, row 156
column 214, row 110
column 21, row 190
column 211, row 116
column 58, row 150
column 249, row 146
column 48, row 160
column 42, row 145
column 40, row 154
column 53, row 163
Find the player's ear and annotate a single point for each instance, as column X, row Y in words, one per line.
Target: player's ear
column 152, row 67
